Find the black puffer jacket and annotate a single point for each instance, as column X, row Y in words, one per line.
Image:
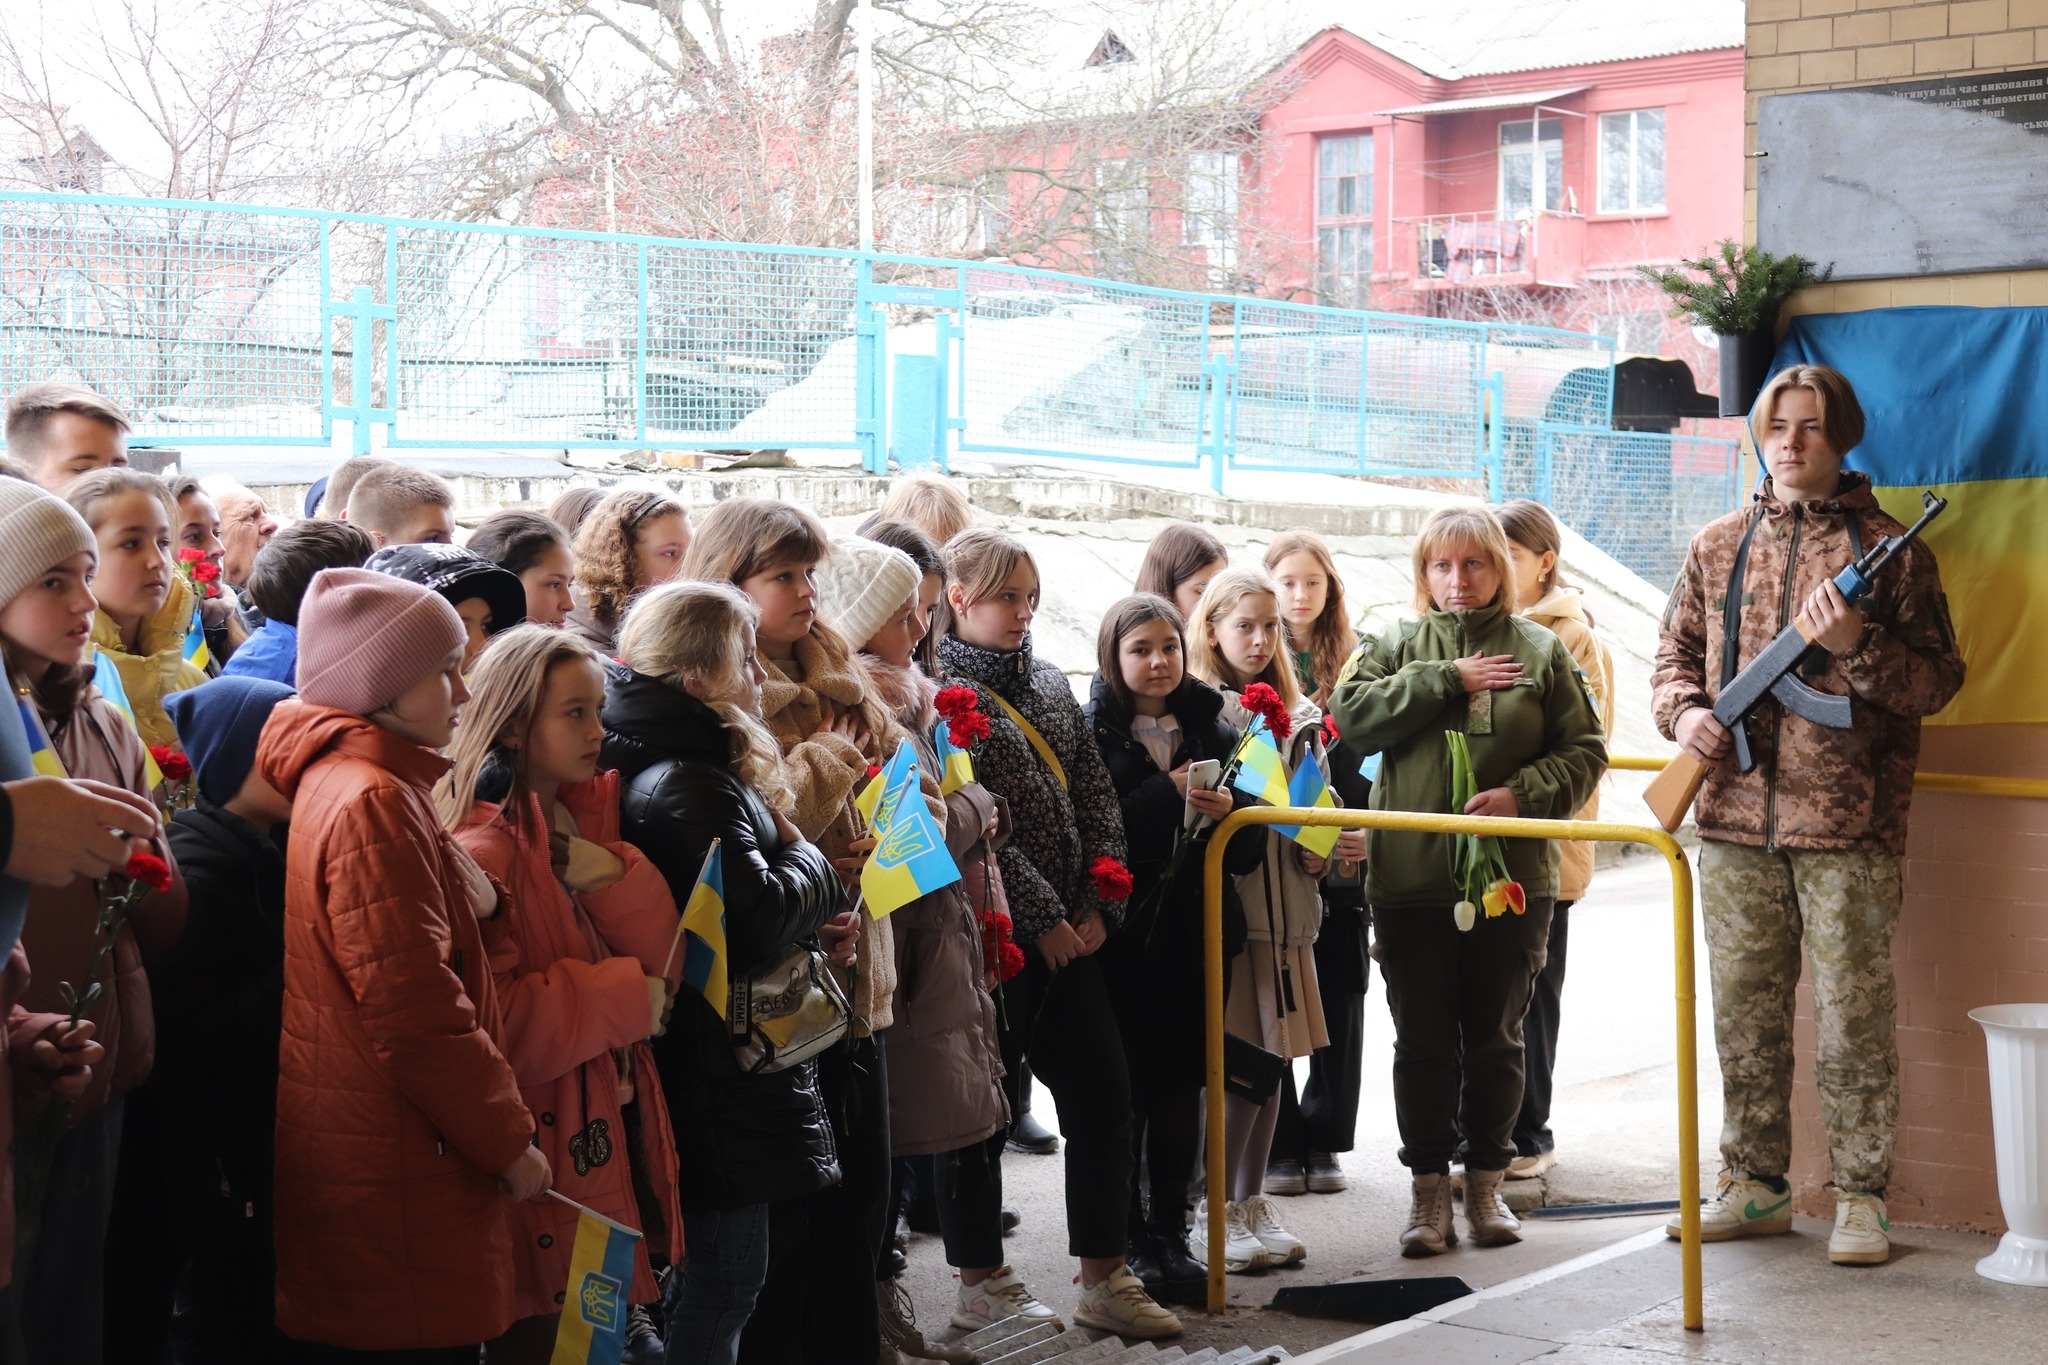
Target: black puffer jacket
column 1060, row 831
column 741, row 1139
column 218, row 998
column 1155, row 970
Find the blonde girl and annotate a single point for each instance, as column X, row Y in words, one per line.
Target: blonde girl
column 831, row 727
column 683, row 728
column 1236, row 639
column 1534, row 542
column 579, row 965
column 145, row 606
column 1041, row 758
column 932, row 503
column 633, row 540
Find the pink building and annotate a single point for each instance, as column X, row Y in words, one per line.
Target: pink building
column 1506, row 158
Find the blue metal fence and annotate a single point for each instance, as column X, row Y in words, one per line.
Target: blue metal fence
column 1637, row 495
column 232, row 324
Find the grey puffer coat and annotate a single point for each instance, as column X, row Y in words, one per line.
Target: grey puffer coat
column 1061, row 830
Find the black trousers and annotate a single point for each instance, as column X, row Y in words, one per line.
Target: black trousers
column 1062, row 1021
column 967, row 1188
column 1458, row 997
column 817, row 1306
column 1539, row 1041
column 1324, row 1118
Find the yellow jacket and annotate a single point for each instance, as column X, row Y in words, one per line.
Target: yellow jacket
column 160, row 668
column 1562, row 611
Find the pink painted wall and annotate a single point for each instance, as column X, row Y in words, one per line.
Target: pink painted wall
column 1343, row 81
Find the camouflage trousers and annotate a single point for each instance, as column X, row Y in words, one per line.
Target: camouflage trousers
column 1845, row 905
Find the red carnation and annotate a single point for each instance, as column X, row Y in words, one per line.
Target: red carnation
column 190, row 554
column 952, row 702
column 967, row 729
column 173, row 765
column 1330, row 735
column 1112, row 879
column 874, row 771
column 152, row 871
column 1262, row 701
column 206, row 571
column 1012, row 963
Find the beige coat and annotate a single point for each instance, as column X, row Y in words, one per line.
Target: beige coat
column 825, row 770
column 1563, row 612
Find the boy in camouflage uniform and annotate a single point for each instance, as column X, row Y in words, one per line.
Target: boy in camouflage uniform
column 1810, row 843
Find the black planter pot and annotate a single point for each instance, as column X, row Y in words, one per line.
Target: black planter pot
column 1745, row 365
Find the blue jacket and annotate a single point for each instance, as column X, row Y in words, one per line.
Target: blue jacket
column 272, row 652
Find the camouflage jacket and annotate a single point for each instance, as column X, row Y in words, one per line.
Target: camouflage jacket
column 1812, row 787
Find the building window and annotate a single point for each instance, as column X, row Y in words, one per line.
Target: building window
column 1344, row 219
column 1632, row 161
column 1209, row 218
column 1531, row 167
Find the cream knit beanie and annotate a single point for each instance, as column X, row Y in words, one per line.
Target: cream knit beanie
column 365, row 638
column 861, row 584
column 37, row 532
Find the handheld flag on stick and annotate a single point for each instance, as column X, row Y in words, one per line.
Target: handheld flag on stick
column 196, row 652
column 1310, row 788
column 593, row 1328
column 41, row 756
column 1261, row 771
column 956, row 766
column 106, row 676
column 869, row 802
column 701, row 933
column 910, row 858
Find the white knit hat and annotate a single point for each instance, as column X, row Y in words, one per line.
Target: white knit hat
column 861, row 584
column 38, row 531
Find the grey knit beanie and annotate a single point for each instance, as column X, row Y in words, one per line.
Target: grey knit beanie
column 38, row 531
column 365, row 638
column 861, row 584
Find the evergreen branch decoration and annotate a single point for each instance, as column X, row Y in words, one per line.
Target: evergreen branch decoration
column 1742, row 290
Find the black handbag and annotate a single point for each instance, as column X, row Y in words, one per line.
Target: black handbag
column 1250, row 1072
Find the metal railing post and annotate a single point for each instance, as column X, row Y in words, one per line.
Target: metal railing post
column 1692, row 1290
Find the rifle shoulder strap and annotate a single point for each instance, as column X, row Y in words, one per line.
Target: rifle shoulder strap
column 1731, row 604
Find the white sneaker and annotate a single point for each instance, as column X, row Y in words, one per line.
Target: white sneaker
column 1743, row 1208
column 1262, row 1220
column 1001, row 1295
column 1241, row 1250
column 1120, row 1304
column 1861, row 1228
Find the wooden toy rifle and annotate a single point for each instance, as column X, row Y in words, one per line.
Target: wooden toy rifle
column 1771, row 674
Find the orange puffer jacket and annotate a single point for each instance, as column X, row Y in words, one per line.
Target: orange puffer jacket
column 395, row 1108
column 571, row 976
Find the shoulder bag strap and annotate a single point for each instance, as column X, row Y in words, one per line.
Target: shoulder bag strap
column 1052, row 760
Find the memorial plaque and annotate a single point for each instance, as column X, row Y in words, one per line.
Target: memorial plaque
column 1925, row 178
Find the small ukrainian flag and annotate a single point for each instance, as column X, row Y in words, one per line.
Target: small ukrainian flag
column 956, row 766
column 106, row 676
column 1261, row 771
column 910, row 860
column 593, row 1327
column 701, row 933
column 869, row 801
column 41, row 757
column 1310, row 788
column 196, row 652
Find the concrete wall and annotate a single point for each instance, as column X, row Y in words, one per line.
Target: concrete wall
column 1975, row 928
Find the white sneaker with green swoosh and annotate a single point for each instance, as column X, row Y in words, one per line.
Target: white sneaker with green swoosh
column 1861, row 1235
column 1743, row 1208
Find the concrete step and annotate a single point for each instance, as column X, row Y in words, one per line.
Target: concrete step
column 1057, row 1346
column 1011, row 1334
column 1144, row 1351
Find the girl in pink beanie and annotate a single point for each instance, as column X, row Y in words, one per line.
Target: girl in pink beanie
column 400, row 1129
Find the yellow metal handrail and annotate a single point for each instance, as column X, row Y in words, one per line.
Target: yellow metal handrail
column 2026, row 788
column 1417, row 821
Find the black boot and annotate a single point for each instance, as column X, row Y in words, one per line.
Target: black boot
column 1182, row 1278
column 1139, row 1258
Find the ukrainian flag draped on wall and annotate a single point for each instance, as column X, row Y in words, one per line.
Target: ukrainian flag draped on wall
column 1956, row 402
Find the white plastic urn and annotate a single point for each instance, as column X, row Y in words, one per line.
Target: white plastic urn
column 2017, row 1038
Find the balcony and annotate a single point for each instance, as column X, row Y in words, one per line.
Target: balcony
column 1469, row 250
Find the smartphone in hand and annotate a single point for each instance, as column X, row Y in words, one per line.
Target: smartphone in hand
column 1203, row 775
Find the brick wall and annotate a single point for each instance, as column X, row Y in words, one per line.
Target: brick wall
column 1975, row 925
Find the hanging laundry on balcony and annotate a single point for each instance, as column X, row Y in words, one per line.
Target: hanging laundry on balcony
column 1469, row 239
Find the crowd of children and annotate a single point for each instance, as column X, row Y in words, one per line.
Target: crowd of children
column 365, row 940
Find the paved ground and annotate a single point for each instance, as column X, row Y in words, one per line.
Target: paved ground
column 1615, row 1116
column 1772, row 1301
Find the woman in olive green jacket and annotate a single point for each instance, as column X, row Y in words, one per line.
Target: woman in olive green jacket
column 1466, row 663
